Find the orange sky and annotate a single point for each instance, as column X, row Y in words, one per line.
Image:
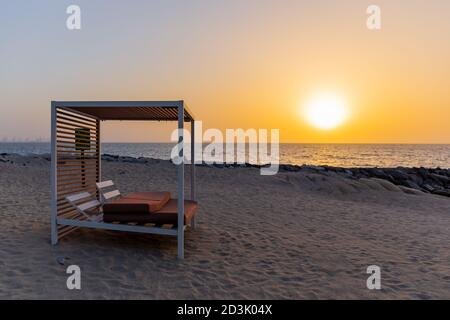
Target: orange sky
column 238, row 64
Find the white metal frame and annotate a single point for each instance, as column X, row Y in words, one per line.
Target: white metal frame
column 179, row 231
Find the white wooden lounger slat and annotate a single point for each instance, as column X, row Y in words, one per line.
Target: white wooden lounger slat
column 78, row 196
column 105, row 184
column 81, row 208
column 89, row 205
column 111, row 194
column 105, row 196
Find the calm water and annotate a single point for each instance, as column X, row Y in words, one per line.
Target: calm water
column 342, row 155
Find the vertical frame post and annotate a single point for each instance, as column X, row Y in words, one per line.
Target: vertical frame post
column 193, row 197
column 180, row 174
column 54, row 227
column 99, row 156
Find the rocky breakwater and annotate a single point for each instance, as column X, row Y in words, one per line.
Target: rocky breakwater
column 126, row 159
column 434, row 181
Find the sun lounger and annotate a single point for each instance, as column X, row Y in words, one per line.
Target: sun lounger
column 138, row 207
column 131, row 210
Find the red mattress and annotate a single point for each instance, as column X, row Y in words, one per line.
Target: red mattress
column 127, row 210
column 155, row 200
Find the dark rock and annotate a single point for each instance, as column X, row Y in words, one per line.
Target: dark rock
column 312, row 168
column 443, row 179
column 110, row 157
column 348, row 172
column 422, row 172
column 143, row 160
column 397, row 174
column 290, row 168
column 444, row 193
column 131, row 160
column 378, row 173
column 416, row 178
column 411, row 184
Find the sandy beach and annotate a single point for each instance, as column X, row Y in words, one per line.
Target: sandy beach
column 295, row 235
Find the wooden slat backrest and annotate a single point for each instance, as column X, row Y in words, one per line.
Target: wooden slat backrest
column 101, row 186
column 82, row 203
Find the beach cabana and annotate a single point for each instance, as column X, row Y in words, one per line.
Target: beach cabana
column 76, row 166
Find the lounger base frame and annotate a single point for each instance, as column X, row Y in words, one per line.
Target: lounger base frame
column 119, row 227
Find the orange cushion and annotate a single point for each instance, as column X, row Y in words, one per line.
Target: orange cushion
column 156, row 200
column 167, row 215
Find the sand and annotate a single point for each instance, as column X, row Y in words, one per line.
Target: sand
column 289, row 236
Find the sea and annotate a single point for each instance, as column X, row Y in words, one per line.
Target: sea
column 339, row 155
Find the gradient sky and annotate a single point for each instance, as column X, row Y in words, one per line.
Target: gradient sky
column 237, row 63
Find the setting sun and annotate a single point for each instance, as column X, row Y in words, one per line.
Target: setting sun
column 326, row 111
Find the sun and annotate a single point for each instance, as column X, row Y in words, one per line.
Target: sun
column 326, row 111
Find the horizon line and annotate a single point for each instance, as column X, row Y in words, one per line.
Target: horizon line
column 305, row 143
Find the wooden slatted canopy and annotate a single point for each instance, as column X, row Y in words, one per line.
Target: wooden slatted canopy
column 131, row 110
column 76, row 159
